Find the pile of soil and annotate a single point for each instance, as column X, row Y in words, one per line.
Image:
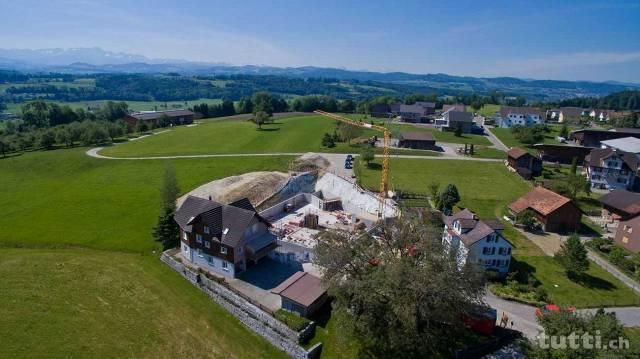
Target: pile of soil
column 309, row 162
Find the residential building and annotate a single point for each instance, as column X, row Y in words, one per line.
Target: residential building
column 554, row 212
column 417, row 140
column 600, row 115
column 628, row 234
column 302, row 293
column 562, row 153
column 620, row 205
column 380, row 110
column 223, row 238
column 429, row 107
column 626, row 144
column 411, row 113
column 524, row 163
column 174, row 117
column 571, row 113
column 518, row 116
column 477, row 241
column 452, row 119
column 607, row 168
column 460, row 107
column 594, row 137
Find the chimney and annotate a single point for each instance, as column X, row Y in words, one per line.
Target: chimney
column 209, row 197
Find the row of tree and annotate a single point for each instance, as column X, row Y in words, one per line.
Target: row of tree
column 41, row 114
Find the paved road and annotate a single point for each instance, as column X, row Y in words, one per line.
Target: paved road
column 495, row 140
column 94, row 152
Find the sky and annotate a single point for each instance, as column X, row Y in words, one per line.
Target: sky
column 564, row 40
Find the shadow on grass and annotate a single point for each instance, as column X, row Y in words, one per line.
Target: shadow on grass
column 524, row 269
column 591, row 282
column 269, row 129
column 374, row 166
column 323, row 314
column 10, row 155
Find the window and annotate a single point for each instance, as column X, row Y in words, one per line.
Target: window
column 223, row 250
column 210, row 261
column 199, row 238
column 185, row 248
column 239, row 249
column 225, row 265
column 485, row 250
column 501, row 251
column 506, row 263
column 493, row 250
column 207, row 244
column 199, row 252
column 508, row 250
column 206, row 229
column 185, row 236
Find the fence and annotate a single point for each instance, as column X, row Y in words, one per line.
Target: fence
column 616, row 272
column 256, row 319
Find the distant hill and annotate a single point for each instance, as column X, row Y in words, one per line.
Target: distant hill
column 96, row 60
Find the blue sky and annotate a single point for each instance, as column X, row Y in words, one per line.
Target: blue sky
column 589, row 40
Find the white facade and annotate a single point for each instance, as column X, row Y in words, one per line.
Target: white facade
column 492, row 251
column 610, row 174
column 520, row 119
column 211, row 263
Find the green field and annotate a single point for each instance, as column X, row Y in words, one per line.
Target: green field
column 488, row 110
column 506, row 136
column 133, row 105
column 116, row 298
column 485, row 187
column 71, row 303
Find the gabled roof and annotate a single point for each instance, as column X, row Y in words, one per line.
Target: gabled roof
column 627, row 144
column 456, row 107
column 540, row 200
column 516, row 152
column 302, row 288
column 598, row 154
column 426, row 104
column 458, row 116
column 622, row 200
column 572, row 111
column 417, row 109
column 506, row 110
column 227, row 222
column 478, row 228
column 417, row 136
column 158, row 114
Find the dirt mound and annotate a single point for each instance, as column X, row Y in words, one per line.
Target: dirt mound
column 256, row 186
column 309, row 162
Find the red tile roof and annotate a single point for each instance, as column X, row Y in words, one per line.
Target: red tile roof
column 302, row 288
column 540, row 200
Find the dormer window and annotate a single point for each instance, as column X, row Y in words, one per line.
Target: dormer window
column 206, row 230
column 198, row 239
column 223, row 250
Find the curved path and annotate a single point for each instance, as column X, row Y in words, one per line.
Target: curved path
column 94, row 152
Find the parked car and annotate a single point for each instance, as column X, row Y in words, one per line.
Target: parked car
column 549, row 308
column 349, row 158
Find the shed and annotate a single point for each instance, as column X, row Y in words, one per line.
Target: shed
column 417, row 140
column 524, row 163
column 554, row 212
column 302, row 293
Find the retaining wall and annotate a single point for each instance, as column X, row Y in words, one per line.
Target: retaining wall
column 259, row 321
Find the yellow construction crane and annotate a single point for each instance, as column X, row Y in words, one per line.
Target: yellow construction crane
column 384, row 180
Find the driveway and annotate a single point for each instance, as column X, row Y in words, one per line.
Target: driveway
column 494, row 139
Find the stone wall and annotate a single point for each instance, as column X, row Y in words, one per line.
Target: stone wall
column 259, row 321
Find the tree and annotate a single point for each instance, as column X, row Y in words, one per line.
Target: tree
column 245, row 105
column 328, row 141
column 5, row 146
column 348, row 131
column 573, row 257
column 262, row 102
column 458, row 131
column 260, row 118
column 347, row 106
column 528, row 220
column 402, row 295
column 116, row 130
column 433, row 188
column 166, row 231
column 367, row 155
column 564, row 131
column 47, row 139
column 448, row 198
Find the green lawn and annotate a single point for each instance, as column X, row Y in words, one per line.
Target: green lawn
column 485, row 187
column 599, row 289
column 76, row 303
column 487, row 152
column 114, row 298
column 506, row 136
column 488, row 110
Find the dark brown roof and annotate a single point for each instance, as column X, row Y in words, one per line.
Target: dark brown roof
column 478, row 228
column 622, row 200
column 227, row 222
column 302, row 288
column 159, row 114
column 540, row 200
column 572, row 111
column 516, row 152
column 478, row 232
column 456, row 107
column 458, row 116
column 417, row 136
column 506, row 110
column 596, row 156
column 426, row 104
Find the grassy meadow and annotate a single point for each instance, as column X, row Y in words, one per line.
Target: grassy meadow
column 133, row 105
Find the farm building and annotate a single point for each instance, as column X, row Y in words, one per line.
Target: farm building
column 301, row 293
column 620, row 205
column 524, row 163
column 554, row 212
column 173, row 117
column 417, row 140
column 628, row 234
column 562, row 153
column 594, row 138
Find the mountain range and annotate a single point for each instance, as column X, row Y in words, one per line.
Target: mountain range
column 96, row 60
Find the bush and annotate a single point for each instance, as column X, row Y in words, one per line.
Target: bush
column 292, row 320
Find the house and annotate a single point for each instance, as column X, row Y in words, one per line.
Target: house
column 380, row 110
column 460, row 107
column 411, row 113
column 620, row 205
column 562, row 153
column 571, row 113
column 174, row 117
column 417, row 140
column 477, row 241
column 223, row 238
column 452, row 120
column 594, row 137
column 554, row 212
column 608, row 168
column 626, row 144
column 524, row 163
column 518, row 116
column 600, row 115
column 429, row 107
column 628, row 234
column 301, row 293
